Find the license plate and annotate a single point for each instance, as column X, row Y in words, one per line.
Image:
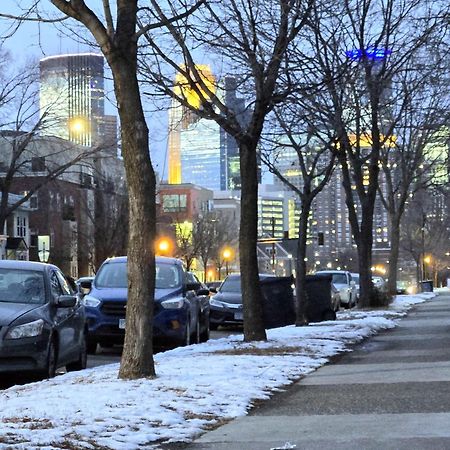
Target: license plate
column 238, row 315
column 122, row 323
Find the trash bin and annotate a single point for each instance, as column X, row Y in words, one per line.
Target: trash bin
column 278, row 301
column 426, row 286
column 318, row 291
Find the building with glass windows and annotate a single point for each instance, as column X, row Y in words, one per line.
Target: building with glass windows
column 200, row 152
column 72, row 99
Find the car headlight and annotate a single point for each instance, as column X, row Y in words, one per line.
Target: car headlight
column 173, row 303
column 93, row 302
column 216, row 303
column 30, row 329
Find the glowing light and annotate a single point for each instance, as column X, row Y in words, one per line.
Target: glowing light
column 371, row 52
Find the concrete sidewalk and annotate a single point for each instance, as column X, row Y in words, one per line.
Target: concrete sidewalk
column 391, row 392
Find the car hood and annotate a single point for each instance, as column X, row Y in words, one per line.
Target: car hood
column 11, row 311
column 228, row 297
column 120, row 294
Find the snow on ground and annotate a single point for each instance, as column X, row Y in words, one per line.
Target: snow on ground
column 197, row 388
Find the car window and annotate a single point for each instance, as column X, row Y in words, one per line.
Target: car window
column 65, row 286
column 112, row 275
column 55, row 287
column 167, row 276
column 232, row 284
column 339, row 278
column 22, row 286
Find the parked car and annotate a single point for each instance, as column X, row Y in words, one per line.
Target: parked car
column 380, row 283
column 226, row 304
column 355, row 278
column 342, row 280
column 335, row 298
column 83, row 280
column 177, row 308
column 202, row 293
column 42, row 320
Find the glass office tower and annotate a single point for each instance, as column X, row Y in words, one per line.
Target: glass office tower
column 72, row 97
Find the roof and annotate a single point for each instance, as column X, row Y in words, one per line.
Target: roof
column 23, row 265
column 159, row 259
column 16, row 243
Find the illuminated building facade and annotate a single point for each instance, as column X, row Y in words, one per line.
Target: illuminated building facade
column 200, row 152
column 72, row 98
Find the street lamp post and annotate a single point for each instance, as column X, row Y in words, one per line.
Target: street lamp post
column 227, row 254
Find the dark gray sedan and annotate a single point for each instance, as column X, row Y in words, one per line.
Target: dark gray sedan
column 42, row 320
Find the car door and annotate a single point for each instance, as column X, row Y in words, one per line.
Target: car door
column 67, row 320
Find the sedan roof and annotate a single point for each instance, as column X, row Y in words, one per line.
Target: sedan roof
column 23, row 265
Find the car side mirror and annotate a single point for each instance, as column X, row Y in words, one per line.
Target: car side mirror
column 213, row 290
column 203, row 292
column 66, row 301
column 86, row 284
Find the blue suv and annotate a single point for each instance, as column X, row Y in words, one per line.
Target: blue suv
column 181, row 308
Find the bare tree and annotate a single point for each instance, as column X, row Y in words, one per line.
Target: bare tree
column 23, row 151
column 251, row 39
column 415, row 156
column 358, row 51
column 311, row 150
column 117, row 38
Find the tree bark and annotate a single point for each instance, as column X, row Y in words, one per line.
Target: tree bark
column 254, row 329
column 300, row 282
column 394, row 253
column 137, row 353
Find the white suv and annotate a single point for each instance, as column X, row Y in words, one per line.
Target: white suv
column 342, row 280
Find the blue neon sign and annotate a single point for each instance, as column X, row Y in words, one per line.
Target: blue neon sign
column 374, row 53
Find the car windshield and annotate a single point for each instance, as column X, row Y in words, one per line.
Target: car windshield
column 167, row 276
column 339, row 278
column 231, row 284
column 114, row 275
column 22, row 286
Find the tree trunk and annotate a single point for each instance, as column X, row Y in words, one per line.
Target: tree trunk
column 300, row 282
column 254, row 329
column 137, row 356
column 365, row 256
column 394, row 253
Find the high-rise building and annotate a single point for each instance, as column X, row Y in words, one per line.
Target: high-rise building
column 72, row 97
column 200, row 151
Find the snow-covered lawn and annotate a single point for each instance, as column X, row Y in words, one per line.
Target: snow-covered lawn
column 197, row 387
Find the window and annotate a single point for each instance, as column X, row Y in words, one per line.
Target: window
column 21, row 226
column 174, row 202
column 55, row 286
column 38, row 164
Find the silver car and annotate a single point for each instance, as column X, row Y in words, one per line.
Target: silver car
column 346, row 286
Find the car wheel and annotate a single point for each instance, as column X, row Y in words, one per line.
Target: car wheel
column 329, row 314
column 52, row 357
column 91, row 346
column 81, row 362
column 187, row 333
column 205, row 334
column 196, row 339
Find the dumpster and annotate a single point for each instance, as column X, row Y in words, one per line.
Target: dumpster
column 318, row 291
column 426, row 286
column 278, row 301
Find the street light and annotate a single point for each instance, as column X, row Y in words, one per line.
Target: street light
column 227, row 254
column 164, row 246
